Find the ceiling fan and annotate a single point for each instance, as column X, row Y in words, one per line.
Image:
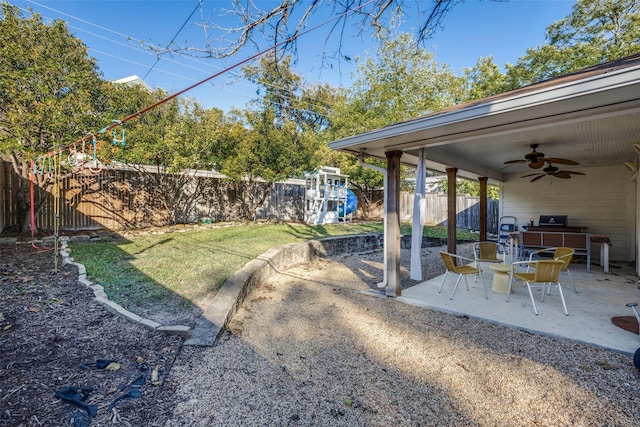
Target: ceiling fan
column 552, row 171
column 536, row 159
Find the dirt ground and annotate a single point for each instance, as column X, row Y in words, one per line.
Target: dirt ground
column 56, row 341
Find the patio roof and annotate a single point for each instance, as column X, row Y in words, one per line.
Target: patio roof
column 591, row 116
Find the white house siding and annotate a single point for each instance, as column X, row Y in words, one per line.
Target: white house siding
column 603, row 200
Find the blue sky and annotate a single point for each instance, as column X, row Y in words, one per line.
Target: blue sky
column 119, row 33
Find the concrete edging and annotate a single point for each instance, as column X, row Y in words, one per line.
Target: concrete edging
column 101, row 297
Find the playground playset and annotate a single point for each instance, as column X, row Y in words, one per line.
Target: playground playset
column 328, row 199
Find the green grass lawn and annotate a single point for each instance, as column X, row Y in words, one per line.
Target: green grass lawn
column 191, row 266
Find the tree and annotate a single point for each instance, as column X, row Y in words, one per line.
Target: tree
column 291, row 98
column 595, row 32
column 482, row 80
column 472, row 188
column 280, row 86
column 51, row 94
column 272, row 140
column 167, row 145
column 400, row 82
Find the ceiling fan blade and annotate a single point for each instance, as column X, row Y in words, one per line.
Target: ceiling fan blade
column 512, row 162
column 537, row 164
column 532, row 174
column 573, row 172
column 538, row 177
column 562, row 161
column 562, row 175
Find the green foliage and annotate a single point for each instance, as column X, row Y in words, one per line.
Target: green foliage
column 401, row 81
column 472, row 188
column 276, row 138
column 50, row 90
column 482, row 80
column 267, row 152
column 595, row 32
column 174, row 136
column 166, row 145
column 290, row 98
column 51, row 95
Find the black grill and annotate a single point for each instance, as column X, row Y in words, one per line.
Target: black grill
column 552, row 221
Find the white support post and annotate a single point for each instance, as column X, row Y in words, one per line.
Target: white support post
column 384, row 243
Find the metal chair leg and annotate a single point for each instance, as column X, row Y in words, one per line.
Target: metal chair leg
column 535, row 310
column 443, row 281
column 510, row 283
column 456, row 286
column 486, row 295
column 562, row 298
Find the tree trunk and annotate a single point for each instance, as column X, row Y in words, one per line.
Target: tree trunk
column 23, row 206
column 252, row 213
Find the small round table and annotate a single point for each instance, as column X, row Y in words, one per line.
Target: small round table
column 501, row 278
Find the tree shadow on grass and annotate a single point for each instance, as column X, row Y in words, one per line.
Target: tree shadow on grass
column 113, row 268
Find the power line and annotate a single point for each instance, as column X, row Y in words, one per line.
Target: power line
column 237, row 64
column 225, row 70
column 153, row 47
column 147, row 52
column 199, row 5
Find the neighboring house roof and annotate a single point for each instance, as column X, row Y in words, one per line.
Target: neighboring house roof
column 591, row 116
column 135, row 80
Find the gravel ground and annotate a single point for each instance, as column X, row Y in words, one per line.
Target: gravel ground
column 308, row 348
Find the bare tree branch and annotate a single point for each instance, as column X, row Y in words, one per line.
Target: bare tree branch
column 282, row 24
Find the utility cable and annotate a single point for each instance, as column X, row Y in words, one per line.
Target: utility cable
column 129, row 46
column 237, row 64
column 174, row 37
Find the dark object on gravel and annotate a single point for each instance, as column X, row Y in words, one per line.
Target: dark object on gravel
column 77, row 397
column 133, row 392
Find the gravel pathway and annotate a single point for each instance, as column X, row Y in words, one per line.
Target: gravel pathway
column 308, row 349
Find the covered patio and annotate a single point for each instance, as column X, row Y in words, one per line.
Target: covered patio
column 591, row 117
column 600, row 297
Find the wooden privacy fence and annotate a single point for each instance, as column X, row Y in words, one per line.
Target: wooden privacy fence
column 116, row 199
column 467, row 208
column 124, row 199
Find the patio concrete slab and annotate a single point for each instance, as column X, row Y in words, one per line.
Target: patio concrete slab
column 600, row 297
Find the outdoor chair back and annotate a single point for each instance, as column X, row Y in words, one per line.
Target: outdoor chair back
column 561, row 254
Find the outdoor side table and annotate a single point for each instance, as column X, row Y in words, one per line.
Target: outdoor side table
column 501, row 277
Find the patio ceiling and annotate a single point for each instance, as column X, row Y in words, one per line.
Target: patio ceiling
column 591, row 116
